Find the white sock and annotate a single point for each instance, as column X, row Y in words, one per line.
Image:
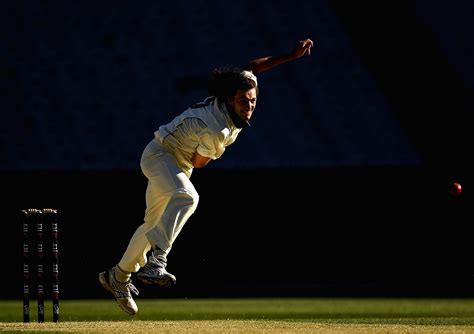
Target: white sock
column 121, row 275
column 160, row 255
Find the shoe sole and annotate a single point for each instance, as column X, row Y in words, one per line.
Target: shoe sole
column 164, row 283
column 104, row 281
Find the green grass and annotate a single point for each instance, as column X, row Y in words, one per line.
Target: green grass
column 271, row 313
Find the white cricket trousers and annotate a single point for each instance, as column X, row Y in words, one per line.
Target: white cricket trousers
column 170, row 200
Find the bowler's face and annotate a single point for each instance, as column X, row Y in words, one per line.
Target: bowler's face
column 244, row 103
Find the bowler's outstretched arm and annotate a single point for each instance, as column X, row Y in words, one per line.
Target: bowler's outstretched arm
column 266, row 63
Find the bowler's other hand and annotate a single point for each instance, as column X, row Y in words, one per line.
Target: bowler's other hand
column 303, row 47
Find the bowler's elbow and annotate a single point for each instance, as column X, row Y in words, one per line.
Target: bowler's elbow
column 199, row 161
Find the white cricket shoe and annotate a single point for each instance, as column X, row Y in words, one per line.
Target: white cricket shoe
column 121, row 291
column 154, row 272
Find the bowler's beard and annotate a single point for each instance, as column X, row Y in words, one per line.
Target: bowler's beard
column 238, row 122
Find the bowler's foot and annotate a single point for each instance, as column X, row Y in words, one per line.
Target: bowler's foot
column 154, row 272
column 120, row 291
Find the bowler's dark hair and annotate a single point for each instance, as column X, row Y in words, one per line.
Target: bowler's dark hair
column 225, row 82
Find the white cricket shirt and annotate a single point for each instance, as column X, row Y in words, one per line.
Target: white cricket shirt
column 205, row 127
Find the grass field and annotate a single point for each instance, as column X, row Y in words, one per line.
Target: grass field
column 278, row 315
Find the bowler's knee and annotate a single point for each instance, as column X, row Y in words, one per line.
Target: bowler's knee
column 187, row 198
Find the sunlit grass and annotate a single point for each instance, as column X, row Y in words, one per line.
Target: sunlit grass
column 251, row 315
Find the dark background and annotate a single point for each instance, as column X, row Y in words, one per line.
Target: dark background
column 339, row 188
